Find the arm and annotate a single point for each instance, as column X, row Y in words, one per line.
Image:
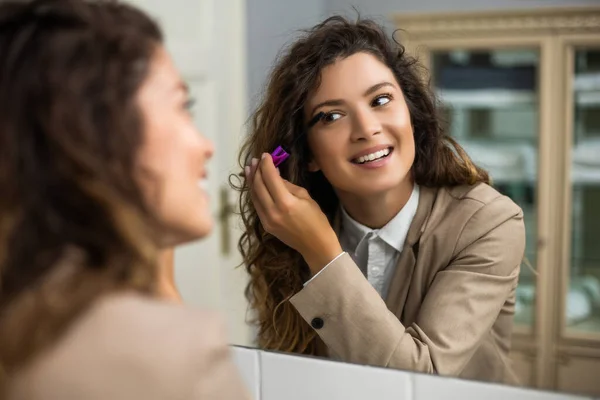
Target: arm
column 460, row 308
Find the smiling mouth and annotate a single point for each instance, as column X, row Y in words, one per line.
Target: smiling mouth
column 375, row 156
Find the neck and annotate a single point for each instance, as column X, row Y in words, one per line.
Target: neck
column 375, row 211
column 166, row 276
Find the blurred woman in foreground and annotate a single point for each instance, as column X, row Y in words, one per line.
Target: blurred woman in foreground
column 100, row 165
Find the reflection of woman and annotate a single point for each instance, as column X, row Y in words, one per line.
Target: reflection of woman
column 99, row 171
column 398, row 253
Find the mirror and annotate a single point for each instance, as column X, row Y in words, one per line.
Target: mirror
column 500, row 96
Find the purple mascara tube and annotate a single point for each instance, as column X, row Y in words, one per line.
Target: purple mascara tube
column 279, row 155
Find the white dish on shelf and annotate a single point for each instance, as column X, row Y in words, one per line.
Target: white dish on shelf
column 514, row 162
column 585, row 159
column 586, row 81
column 487, row 98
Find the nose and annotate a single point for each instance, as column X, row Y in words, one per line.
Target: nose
column 209, row 148
column 365, row 125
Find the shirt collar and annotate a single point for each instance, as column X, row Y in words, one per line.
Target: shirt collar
column 393, row 233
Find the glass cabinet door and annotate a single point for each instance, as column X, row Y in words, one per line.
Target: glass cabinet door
column 490, row 102
column 582, row 297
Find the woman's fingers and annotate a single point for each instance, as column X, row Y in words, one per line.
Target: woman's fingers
column 263, row 203
column 253, row 167
column 260, row 191
column 295, row 190
column 250, row 170
column 260, row 210
column 273, row 182
column 275, row 199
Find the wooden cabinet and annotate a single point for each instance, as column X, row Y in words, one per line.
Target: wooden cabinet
column 578, row 374
column 521, row 92
column 523, row 363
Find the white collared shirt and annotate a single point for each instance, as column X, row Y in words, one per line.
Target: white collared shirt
column 376, row 251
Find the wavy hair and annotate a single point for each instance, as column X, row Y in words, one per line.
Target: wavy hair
column 73, row 219
column 276, row 271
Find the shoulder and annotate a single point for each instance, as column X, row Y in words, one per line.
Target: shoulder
column 479, row 197
column 471, row 212
column 153, row 328
column 141, row 313
column 480, row 200
column 147, row 348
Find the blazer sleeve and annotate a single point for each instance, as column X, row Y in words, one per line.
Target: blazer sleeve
column 460, row 307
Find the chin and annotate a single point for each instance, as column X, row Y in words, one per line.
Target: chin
column 202, row 228
column 190, row 230
column 380, row 186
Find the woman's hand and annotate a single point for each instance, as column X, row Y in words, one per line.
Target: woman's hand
column 289, row 213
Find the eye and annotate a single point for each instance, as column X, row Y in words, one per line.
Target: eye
column 189, row 104
column 381, row 100
column 331, row 117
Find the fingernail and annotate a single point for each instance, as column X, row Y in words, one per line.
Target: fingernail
column 262, row 157
column 247, row 171
column 254, row 162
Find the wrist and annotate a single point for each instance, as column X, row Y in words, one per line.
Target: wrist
column 317, row 259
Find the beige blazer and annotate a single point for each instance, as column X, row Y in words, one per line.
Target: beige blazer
column 450, row 305
column 127, row 348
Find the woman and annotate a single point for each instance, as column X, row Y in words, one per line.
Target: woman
column 378, row 237
column 99, row 170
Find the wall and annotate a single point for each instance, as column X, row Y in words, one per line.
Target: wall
column 270, row 25
column 383, row 8
column 273, row 23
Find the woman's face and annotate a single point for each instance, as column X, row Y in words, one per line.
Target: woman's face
column 172, row 160
column 364, row 145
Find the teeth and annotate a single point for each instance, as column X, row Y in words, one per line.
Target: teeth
column 373, row 156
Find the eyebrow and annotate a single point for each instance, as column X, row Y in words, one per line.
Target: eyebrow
column 183, row 87
column 339, row 102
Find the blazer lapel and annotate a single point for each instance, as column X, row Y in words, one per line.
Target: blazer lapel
column 401, row 279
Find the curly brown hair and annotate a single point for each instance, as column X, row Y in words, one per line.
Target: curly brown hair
column 73, row 220
column 276, row 271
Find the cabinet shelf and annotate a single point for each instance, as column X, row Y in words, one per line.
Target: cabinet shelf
column 514, row 84
column 506, row 98
column 487, row 98
column 517, row 163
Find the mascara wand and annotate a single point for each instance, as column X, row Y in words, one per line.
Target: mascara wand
column 279, row 155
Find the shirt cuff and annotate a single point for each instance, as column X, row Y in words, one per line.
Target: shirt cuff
column 323, row 269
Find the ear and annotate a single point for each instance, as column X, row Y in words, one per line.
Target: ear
column 313, row 166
